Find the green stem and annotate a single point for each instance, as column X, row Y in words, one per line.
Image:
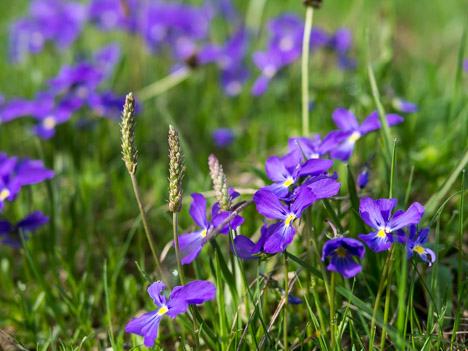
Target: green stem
column 332, row 310
column 136, row 190
column 387, row 302
column 175, row 225
column 305, row 70
column 379, row 296
column 286, row 297
column 164, row 84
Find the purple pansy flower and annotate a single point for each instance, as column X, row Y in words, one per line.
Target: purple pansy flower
column 9, row 233
column 107, row 14
column 415, row 242
column 287, row 170
column 312, row 147
column 14, row 174
column 80, row 79
column 223, row 137
column 147, row 326
column 404, row 106
column 341, row 251
column 280, row 234
column 191, row 244
column 234, row 79
column 377, row 214
column 16, row 108
column 106, row 104
column 351, row 131
column 341, row 43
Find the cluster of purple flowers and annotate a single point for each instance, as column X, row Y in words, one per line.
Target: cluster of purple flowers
column 183, row 29
column 14, row 174
column 73, row 89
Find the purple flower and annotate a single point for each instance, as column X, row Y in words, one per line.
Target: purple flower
column 341, row 42
column 108, row 14
column 404, row 106
column 323, row 186
column 106, row 104
column 80, row 80
column 341, row 251
column 312, row 147
column 191, row 244
column 465, row 65
column 15, row 174
column 49, row 114
column 234, row 79
column 377, row 215
column 287, row 170
column 16, row 108
column 54, row 20
column 280, row 234
column 9, row 233
column 363, row 178
column 196, row 292
column 223, row 137
column 415, row 242
column 351, row 131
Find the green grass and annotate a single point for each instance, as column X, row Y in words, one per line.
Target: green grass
column 75, row 284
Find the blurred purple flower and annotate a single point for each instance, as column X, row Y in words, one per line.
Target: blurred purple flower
column 377, row 214
column 351, row 131
column 9, row 232
column 341, row 43
column 106, row 104
column 49, row 20
column 223, row 137
column 363, row 178
column 196, row 292
column 14, row 174
column 341, row 250
column 107, row 14
column 404, row 106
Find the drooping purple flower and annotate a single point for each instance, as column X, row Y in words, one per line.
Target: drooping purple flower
column 280, row 234
column 191, row 244
column 287, row 170
column 223, row 137
column 14, row 174
column 351, row 131
column 415, row 241
column 341, row 251
column 147, row 326
column 9, row 233
column 377, row 214
column 363, row 178
column 404, row 106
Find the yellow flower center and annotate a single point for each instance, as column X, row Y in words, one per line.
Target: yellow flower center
column 203, row 233
column 163, row 310
column 49, row 122
column 381, row 233
column 288, row 182
column 4, row 194
column 341, row 252
column 354, row 137
column 290, row 219
column 419, row 249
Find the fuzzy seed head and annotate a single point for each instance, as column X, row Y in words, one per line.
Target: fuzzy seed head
column 219, row 183
column 176, row 171
column 127, row 127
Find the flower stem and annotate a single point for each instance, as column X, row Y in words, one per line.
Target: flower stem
column 379, row 295
column 332, row 310
column 175, row 225
column 305, row 70
column 286, row 298
column 387, row 305
column 136, row 190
